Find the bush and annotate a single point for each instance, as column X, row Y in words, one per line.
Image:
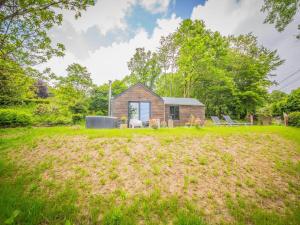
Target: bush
column 294, row 119
column 6, row 100
column 77, row 118
column 41, row 109
column 14, row 118
column 56, row 120
column 265, row 115
column 35, row 101
column 293, row 101
column 78, row 108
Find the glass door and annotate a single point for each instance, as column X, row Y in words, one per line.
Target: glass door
column 145, row 112
column 134, row 110
column 140, row 111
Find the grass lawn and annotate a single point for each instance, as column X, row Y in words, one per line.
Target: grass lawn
column 182, row 176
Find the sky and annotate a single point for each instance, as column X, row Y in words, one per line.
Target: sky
column 105, row 37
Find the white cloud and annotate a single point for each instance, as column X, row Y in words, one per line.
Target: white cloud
column 108, row 15
column 244, row 16
column 110, row 62
column 155, row 6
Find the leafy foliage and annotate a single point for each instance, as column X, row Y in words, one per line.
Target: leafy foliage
column 281, row 13
column 99, row 96
column 277, row 96
column 228, row 74
column 288, row 103
column 14, row 84
column 294, row 119
column 293, row 101
column 13, row 118
column 144, row 68
column 24, row 25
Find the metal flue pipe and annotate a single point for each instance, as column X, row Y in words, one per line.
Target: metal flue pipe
column 109, row 98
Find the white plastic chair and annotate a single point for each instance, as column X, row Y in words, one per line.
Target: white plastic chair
column 135, row 123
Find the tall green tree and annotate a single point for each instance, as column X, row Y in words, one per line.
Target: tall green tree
column 201, row 55
column 293, row 101
column 281, row 12
column 277, row 96
column 75, row 87
column 228, row 74
column 167, row 56
column 24, row 26
column 99, row 96
column 250, row 65
column 144, row 68
column 14, row 83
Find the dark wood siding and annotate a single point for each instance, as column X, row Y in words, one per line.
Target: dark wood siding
column 185, row 111
column 138, row 92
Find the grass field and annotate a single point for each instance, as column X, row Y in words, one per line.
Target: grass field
column 183, row 176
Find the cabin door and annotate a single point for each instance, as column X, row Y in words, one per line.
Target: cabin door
column 140, row 111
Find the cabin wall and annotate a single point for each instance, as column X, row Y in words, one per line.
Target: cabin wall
column 185, row 112
column 119, row 105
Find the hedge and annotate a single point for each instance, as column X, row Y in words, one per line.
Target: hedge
column 294, row 119
column 14, row 118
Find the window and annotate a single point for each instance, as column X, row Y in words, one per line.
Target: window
column 174, row 112
column 134, row 110
column 140, row 111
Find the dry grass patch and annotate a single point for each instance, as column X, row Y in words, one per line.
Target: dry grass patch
column 203, row 170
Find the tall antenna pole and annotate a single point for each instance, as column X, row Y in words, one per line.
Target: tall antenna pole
column 109, row 98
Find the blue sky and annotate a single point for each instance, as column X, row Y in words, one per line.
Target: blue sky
column 142, row 18
column 106, row 36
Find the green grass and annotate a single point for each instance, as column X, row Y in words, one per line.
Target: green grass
column 73, row 175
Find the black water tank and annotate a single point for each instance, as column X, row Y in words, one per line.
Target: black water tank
column 101, row 122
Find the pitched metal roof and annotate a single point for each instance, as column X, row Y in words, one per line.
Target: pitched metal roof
column 181, row 101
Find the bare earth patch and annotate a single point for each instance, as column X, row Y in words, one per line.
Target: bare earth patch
column 202, row 169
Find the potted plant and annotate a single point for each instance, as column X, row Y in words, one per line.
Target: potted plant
column 123, row 122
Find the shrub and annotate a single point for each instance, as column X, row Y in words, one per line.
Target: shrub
column 293, row 101
column 56, row 120
column 294, row 119
column 41, row 109
column 14, row 118
column 78, row 108
column 35, row 101
column 77, row 118
column 6, row 100
column 278, row 108
column 123, row 119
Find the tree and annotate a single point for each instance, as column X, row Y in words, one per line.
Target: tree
column 288, row 103
column 24, row 25
column 144, row 68
column 41, row 89
column 200, row 57
column 281, row 12
column 99, row 96
column 250, row 65
column 277, row 96
column 79, row 78
column 228, row 74
column 293, row 101
column 14, row 83
column 167, row 56
column 75, row 87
